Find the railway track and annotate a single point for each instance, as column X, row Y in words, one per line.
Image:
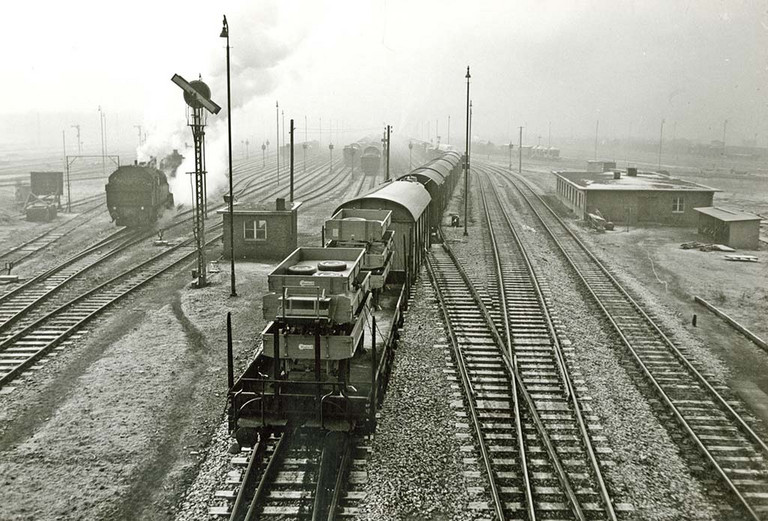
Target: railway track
column 295, row 473
column 712, row 422
column 22, row 299
column 42, row 240
column 26, row 345
column 535, row 458
column 44, row 315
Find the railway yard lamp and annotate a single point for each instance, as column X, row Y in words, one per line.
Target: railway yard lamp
column 466, row 161
column 233, row 292
column 410, row 156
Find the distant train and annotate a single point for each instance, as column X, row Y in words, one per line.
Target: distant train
column 370, row 160
column 352, row 155
column 333, row 313
column 137, row 195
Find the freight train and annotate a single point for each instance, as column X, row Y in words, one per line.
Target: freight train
column 137, row 195
column 370, row 160
column 333, row 312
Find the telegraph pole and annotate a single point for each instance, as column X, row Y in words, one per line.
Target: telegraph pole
column 520, row 153
column 597, row 127
column 449, row 129
column 79, row 143
column 101, row 129
column 305, row 144
column 277, row 123
column 389, row 130
column 550, row 135
column 661, row 140
column 282, row 112
column 292, row 129
column 139, row 128
column 466, row 160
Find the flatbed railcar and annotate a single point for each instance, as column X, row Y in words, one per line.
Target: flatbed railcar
column 137, row 195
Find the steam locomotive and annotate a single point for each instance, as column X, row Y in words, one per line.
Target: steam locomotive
column 137, row 195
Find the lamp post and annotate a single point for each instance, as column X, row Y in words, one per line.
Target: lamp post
column 233, row 292
column 661, row 140
column 466, row 161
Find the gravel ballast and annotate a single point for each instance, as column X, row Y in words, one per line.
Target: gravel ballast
column 649, row 472
column 416, row 470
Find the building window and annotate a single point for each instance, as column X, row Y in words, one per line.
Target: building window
column 255, row 230
column 678, row 206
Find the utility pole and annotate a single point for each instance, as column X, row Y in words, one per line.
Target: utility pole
column 277, row 124
column 138, row 127
column 597, row 126
column 725, row 126
column 674, row 139
column 449, row 129
column 510, row 155
column 283, row 151
column 305, row 144
column 466, row 161
column 661, row 140
column 101, row 130
column 292, row 129
column 330, row 144
column 410, row 156
column 389, row 130
column 520, row 153
column 470, row 127
column 550, row 135
column 79, row 142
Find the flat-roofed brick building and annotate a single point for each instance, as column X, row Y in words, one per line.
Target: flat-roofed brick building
column 262, row 232
column 634, row 197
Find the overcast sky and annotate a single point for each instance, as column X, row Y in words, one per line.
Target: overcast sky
column 360, row 64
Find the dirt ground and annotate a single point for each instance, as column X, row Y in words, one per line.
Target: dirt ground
column 117, row 424
column 652, row 256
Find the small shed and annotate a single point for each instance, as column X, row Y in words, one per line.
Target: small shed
column 46, row 187
column 735, row 229
column 262, row 232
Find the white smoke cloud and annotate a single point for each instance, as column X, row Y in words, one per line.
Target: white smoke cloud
column 258, row 46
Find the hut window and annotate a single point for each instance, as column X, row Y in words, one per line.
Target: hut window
column 255, row 230
column 678, row 205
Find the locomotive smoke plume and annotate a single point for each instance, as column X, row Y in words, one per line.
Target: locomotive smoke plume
column 256, row 52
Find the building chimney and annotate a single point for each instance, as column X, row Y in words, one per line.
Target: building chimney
column 616, row 174
column 280, row 204
column 632, row 171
